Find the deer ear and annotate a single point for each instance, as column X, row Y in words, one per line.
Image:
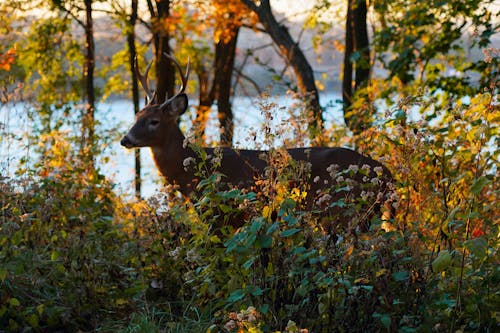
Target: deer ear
column 177, row 106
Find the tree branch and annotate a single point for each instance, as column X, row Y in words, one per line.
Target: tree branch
column 251, row 5
column 64, row 9
column 240, row 74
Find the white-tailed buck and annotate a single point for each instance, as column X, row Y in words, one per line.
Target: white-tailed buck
column 335, row 174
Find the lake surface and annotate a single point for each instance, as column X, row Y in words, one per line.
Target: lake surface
column 280, row 116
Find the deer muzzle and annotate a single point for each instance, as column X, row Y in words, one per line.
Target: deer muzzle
column 126, row 142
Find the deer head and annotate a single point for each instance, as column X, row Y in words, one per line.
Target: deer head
column 156, row 122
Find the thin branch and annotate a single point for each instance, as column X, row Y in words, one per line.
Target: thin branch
column 64, row 9
column 247, row 78
column 251, row 27
column 301, row 33
column 287, row 18
column 152, row 9
column 146, row 24
column 261, row 47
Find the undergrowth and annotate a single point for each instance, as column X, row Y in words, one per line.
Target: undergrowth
column 75, row 256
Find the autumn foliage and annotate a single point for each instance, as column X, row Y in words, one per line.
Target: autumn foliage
column 76, row 255
column 7, row 59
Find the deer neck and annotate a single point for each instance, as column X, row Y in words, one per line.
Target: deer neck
column 169, row 157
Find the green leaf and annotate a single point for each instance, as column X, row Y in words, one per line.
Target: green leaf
column 477, row 246
column 14, row 302
column 256, row 225
column 264, row 242
column 40, row 309
column 290, row 232
column 384, row 318
column 54, row 255
column 33, row 320
column 386, row 321
column 339, row 203
column 225, row 208
column 236, row 295
column 249, row 263
column 272, row 228
column 442, row 261
column 400, row 276
column 287, row 204
column 479, row 184
column 215, row 239
column 298, row 250
column 257, row 291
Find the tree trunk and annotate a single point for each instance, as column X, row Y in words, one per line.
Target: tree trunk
column 205, row 102
column 357, row 51
column 88, row 122
column 291, row 51
column 225, row 52
column 165, row 71
column 135, row 89
column 363, row 67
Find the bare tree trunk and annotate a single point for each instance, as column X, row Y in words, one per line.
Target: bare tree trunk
column 165, row 72
column 357, row 50
column 363, row 67
column 135, row 89
column 205, row 102
column 291, row 51
column 88, row 122
column 220, row 89
column 225, row 52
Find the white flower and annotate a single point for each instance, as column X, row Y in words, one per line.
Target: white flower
column 324, row 198
column 188, row 161
column 316, row 179
column 175, row 253
column 216, row 160
column 332, row 168
column 192, row 256
column 378, row 170
column 354, row 168
column 187, row 141
column 365, row 195
column 230, row 325
column 380, row 196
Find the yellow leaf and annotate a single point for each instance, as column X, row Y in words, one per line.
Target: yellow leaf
column 381, row 272
column 266, row 212
column 361, row 280
column 349, row 251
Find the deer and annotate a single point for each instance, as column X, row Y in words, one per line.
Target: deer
column 156, row 126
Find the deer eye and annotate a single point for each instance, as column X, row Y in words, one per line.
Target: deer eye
column 154, row 122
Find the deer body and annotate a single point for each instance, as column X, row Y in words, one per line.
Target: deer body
column 156, row 127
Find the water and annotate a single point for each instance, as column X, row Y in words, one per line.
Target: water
column 118, row 116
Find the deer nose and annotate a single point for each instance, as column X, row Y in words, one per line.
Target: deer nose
column 126, row 142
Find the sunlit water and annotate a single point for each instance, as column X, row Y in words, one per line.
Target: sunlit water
column 118, row 115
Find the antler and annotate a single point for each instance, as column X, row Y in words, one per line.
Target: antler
column 184, row 78
column 144, row 80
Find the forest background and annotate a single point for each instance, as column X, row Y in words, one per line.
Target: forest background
column 417, row 89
